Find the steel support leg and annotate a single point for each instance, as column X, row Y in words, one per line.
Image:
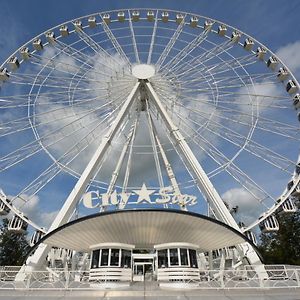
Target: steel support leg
column 203, row 181
column 37, row 259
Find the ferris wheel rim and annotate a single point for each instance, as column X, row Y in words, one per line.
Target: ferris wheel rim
column 144, row 9
column 297, row 180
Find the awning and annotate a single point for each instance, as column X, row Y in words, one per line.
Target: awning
column 144, row 229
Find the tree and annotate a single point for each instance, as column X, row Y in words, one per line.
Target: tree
column 283, row 246
column 13, row 247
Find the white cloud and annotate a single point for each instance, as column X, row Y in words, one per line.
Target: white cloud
column 290, row 55
column 32, row 209
column 249, row 208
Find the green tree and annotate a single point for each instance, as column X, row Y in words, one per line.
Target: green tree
column 283, row 246
column 13, row 247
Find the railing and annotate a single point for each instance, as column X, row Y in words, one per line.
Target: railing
column 208, row 279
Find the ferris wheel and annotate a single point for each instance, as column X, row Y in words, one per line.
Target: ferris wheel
column 144, row 107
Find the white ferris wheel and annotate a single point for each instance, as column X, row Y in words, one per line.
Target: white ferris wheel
column 147, row 107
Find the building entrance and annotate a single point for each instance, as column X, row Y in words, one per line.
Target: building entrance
column 143, row 266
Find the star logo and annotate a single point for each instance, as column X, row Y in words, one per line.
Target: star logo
column 144, row 194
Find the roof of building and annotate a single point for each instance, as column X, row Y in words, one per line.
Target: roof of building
column 144, row 228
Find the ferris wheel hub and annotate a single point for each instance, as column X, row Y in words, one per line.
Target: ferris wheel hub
column 143, row 71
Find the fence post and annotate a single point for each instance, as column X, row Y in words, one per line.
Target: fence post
column 67, row 280
column 27, row 285
column 297, row 276
column 222, row 279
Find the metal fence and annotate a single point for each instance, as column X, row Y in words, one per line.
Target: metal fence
column 273, row 277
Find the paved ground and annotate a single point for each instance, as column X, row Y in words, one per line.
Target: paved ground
column 153, row 292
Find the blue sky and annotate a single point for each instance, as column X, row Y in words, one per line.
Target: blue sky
column 274, row 23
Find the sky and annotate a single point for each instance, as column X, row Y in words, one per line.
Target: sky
column 274, row 23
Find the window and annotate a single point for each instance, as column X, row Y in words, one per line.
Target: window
column 126, row 259
column 95, row 259
column 193, row 258
column 162, row 258
column 174, row 257
column 104, row 257
column 184, row 257
column 114, row 257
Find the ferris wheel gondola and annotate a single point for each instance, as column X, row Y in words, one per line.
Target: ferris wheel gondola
column 17, row 224
column 4, row 209
column 36, row 237
column 269, row 224
column 288, row 206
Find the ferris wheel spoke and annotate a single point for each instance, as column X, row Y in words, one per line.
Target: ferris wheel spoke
column 217, row 68
column 17, row 156
column 69, row 70
column 237, row 116
column 134, row 44
column 82, row 57
column 229, row 87
column 264, row 124
column 189, row 48
column 130, row 154
column 152, row 39
column 244, row 143
column 154, row 145
column 230, row 81
column 62, row 87
column 29, row 79
column 223, row 163
column 267, row 125
column 94, row 45
column 22, row 100
column 77, row 54
column 115, row 42
column 59, row 165
column 56, row 63
column 255, row 78
column 120, row 162
column 205, row 56
column 232, row 100
column 34, row 147
column 227, row 165
column 233, row 65
column 22, row 123
column 169, row 46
